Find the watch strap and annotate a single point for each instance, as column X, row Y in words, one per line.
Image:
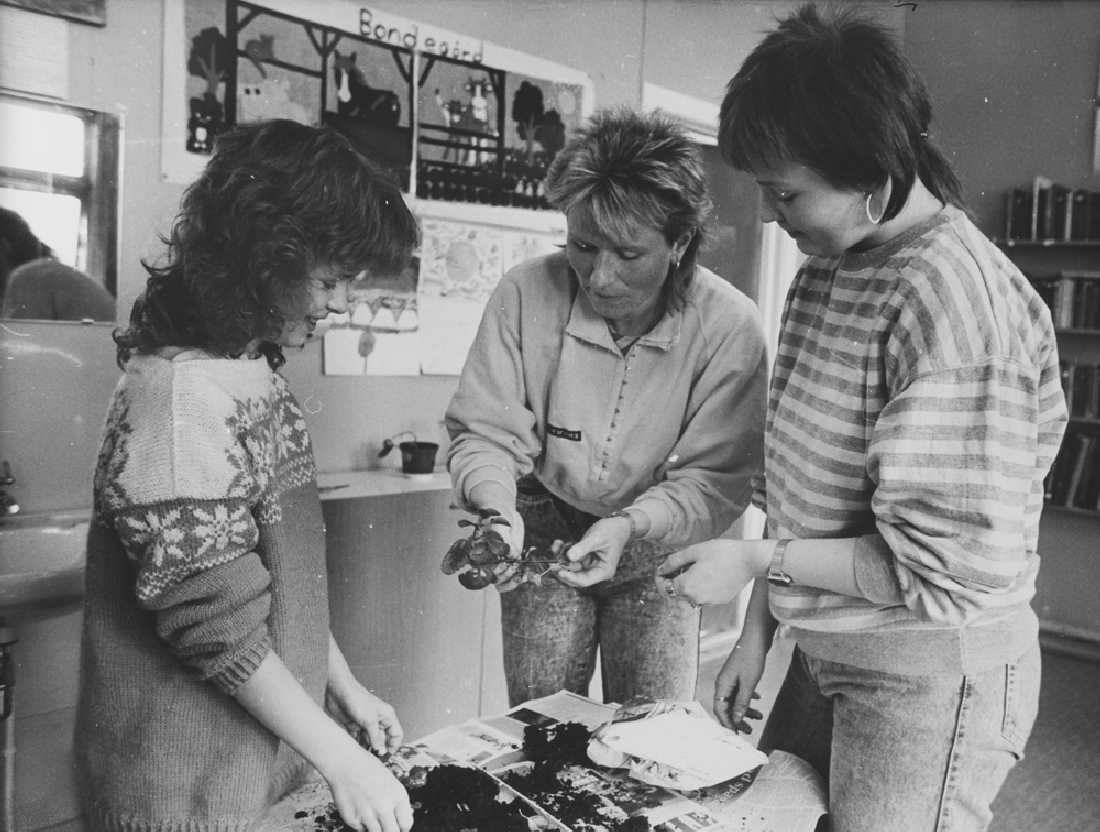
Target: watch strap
column 629, row 518
column 777, row 575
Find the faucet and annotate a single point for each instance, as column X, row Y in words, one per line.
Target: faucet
column 8, row 505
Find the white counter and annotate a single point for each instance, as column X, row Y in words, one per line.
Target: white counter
column 351, row 485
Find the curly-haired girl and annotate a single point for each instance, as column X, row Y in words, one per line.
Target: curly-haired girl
column 208, row 668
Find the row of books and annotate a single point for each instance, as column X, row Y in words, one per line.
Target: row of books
column 1073, row 298
column 1049, row 212
column 1074, row 479
column 1081, row 385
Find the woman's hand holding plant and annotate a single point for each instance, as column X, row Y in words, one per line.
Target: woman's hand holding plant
column 595, row 557
column 714, row 571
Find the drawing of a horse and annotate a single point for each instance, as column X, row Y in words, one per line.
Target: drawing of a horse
column 356, row 98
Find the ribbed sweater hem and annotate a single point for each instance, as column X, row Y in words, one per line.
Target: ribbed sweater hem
column 109, row 820
column 916, row 652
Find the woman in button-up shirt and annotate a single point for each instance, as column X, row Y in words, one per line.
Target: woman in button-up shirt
column 613, row 399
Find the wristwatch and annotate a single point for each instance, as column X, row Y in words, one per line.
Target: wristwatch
column 629, row 518
column 776, row 574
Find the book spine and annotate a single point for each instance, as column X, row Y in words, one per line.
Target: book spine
column 1060, row 207
column 1064, row 317
column 1079, row 215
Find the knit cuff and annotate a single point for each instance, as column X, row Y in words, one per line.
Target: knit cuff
column 486, row 473
column 657, row 514
column 239, row 667
column 874, row 571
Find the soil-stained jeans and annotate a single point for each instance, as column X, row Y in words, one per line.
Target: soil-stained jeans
column 906, row 753
column 648, row 643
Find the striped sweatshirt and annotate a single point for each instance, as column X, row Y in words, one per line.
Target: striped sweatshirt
column 915, row 405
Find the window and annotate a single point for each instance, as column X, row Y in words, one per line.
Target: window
column 59, row 170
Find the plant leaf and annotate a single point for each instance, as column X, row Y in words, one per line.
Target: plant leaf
column 481, row 553
column 457, row 556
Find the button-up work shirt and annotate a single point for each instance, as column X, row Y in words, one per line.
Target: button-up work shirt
column 673, row 427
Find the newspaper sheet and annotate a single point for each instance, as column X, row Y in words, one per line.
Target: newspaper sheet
column 678, row 745
column 782, row 795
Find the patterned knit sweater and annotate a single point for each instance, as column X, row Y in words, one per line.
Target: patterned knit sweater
column 915, row 404
column 206, row 552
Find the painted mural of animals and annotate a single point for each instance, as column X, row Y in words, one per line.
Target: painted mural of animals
column 269, row 98
column 259, row 50
column 471, row 115
column 358, row 99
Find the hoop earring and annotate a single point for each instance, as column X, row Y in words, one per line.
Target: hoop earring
column 867, row 210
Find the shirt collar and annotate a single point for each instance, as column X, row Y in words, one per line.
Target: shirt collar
column 588, row 325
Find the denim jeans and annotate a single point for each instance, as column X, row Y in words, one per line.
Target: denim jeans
column 648, row 643
column 901, row 752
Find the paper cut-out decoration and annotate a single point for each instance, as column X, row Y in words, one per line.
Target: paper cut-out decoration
column 356, row 98
column 269, row 98
column 209, row 60
column 469, row 117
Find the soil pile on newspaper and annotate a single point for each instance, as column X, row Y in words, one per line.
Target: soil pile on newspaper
column 554, row 749
column 450, row 798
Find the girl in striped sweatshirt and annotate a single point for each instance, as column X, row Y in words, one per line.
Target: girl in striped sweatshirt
column 914, row 410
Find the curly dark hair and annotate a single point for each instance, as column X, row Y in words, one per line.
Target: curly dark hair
column 276, row 200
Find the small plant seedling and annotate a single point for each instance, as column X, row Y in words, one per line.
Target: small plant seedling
column 389, row 444
column 477, row 559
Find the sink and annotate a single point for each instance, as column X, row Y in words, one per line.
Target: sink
column 41, row 566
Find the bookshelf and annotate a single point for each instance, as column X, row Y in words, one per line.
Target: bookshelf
column 1067, row 275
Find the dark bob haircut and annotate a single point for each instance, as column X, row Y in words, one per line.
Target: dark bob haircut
column 276, row 200
column 631, row 169
column 835, row 94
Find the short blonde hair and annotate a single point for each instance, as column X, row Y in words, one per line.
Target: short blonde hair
column 630, row 169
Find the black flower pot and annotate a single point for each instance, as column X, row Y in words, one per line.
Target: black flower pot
column 418, row 457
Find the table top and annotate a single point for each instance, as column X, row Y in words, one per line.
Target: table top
column 784, row 794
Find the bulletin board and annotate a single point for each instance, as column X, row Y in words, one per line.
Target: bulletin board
column 457, row 118
column 461, row 122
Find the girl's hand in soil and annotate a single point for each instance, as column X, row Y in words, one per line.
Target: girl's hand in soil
column 366, row 794
column 366, row 716
column 361, row 713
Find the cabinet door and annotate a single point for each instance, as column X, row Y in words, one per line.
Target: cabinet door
column 410, row 633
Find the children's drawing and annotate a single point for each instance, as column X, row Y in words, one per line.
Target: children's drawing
column 269, row 98
column 386, row 303
column 356, row 98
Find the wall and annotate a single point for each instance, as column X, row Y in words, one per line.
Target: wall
column 1013, row 86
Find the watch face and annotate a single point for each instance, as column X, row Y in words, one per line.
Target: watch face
column 779, row 578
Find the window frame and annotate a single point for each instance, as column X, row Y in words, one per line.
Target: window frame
column 97, row 189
